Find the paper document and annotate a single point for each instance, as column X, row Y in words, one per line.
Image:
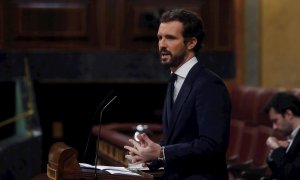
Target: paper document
column 110, row 169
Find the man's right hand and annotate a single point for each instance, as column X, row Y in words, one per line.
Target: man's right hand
column 274, row 143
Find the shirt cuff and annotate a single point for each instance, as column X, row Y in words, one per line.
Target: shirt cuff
column 162, row 154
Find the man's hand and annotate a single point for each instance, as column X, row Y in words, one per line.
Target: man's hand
column 144, row 150
column 274, row 143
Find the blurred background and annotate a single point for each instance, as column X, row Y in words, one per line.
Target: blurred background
column 60, row 58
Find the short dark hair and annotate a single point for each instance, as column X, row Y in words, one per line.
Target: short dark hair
column 283, row 101
column 192, row 24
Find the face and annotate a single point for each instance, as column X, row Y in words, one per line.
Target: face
column 281, row 123
column 172, row 49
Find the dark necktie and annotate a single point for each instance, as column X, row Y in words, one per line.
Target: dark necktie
column 290, row 141
column 172, row 80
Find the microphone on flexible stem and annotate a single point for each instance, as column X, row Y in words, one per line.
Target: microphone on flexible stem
column 94, row 118
column 98, row 136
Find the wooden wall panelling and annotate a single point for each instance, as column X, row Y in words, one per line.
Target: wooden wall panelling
column 209, row 19
column 1, row 24
column 218, row 23
column 239, row 40
column 143, row 21
column 52, row 24
column 225, row 28
column 111, row 23
column 126, row 25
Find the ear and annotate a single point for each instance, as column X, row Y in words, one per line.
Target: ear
column 191, row 43
column 289, row 114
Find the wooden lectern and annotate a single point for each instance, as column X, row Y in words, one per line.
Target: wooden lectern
column 63, row 165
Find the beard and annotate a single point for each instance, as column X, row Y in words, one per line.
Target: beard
column 287, row 128
column 174, row 60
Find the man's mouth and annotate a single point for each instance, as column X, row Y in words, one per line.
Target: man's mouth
column 164, row 54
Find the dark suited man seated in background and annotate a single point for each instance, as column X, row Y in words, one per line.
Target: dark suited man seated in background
column 196, row 115
column 284, row 159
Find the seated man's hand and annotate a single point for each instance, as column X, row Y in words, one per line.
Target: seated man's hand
column 282, row 143
column 272, row 142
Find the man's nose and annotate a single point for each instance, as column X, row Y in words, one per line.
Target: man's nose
column 162, row 43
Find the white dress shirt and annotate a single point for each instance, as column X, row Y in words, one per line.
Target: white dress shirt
column 181, row 73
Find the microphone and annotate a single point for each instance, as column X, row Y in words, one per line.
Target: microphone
column 94, row 119
column 98, row 136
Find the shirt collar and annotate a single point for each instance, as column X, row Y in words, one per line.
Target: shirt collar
column 294, row 133
column 183, row 70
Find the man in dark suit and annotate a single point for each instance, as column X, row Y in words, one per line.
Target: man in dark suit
column 196, row 116
column 284, row 159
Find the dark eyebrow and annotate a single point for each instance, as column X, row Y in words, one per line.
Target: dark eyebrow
column 170, row 36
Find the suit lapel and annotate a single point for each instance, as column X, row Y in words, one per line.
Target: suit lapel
column 181, row 98
column 177, row 107
column 291, row 152
column 296, row 142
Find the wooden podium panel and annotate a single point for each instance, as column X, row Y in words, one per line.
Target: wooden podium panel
column 63, row 165
column 114, row 136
